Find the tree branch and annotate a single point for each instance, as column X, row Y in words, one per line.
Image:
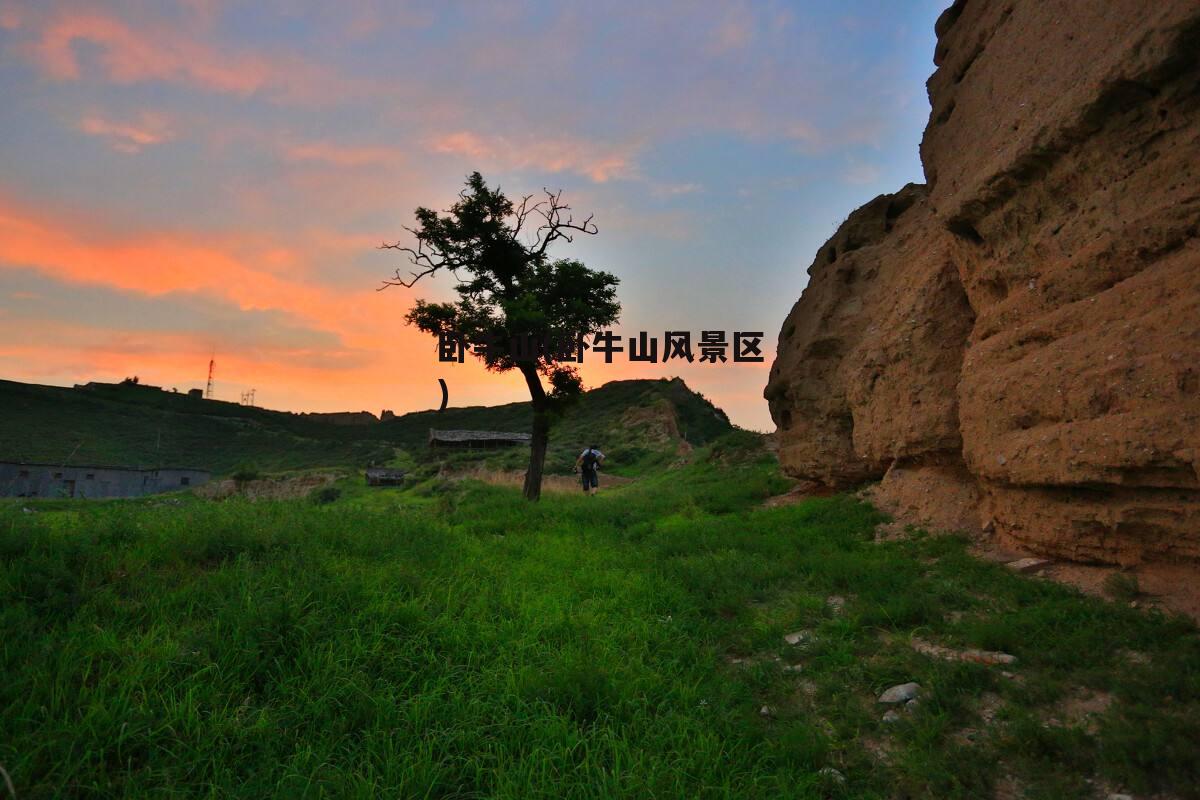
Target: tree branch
column 554, row 227
column 430, row 263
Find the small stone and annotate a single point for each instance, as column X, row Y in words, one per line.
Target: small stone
column 792, row 668
column 949, row 654
column 891, row 716
column 901, row 693
column 1027, row 564
column 835, row 602
column 1119, row 796
column 766, row 711
column 798, row 637
column 831, row 774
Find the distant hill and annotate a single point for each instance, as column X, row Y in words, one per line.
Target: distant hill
column 638, row 423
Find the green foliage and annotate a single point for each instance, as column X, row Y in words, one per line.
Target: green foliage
column 245, row 472
column 325, row 495
column 740, row 446
column 469, row 644
column 509, row 287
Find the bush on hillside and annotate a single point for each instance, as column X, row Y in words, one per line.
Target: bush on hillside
column 245, row 473
column 325, row 495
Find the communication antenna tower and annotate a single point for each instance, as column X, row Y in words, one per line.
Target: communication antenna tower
column 212, row 362
column 248, row 398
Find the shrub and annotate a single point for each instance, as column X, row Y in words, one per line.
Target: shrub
column 325, row 495
column 245, row 473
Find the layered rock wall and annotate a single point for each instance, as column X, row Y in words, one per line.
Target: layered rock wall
column 1022, row 335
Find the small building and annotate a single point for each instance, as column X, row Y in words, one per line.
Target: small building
column 382, row 476
column 198, row 394
column 127, row 385
column 93, row 482
column 474, row 439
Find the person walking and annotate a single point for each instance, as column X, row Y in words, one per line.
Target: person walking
column 588, row 466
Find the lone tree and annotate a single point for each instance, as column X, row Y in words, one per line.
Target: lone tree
column 511, row 294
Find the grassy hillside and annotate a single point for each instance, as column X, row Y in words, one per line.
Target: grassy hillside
column 462, row 643
column 142, row 426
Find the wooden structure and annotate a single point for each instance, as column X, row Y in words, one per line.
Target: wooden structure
column 474, row 439
column 382, row 476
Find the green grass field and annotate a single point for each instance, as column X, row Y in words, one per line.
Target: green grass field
column 453, row 641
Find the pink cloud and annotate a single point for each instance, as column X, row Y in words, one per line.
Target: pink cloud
column 127, row 54
column 734, row 33
column 675, row 189
column 341, row 155
column 10, row 17
column 596, row 161
column 147, row 129
column 860, row 173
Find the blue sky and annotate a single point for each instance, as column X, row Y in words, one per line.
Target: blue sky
column 179, row 180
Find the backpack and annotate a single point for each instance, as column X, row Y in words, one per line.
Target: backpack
column 590, row 460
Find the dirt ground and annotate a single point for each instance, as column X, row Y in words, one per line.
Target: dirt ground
column 281, row 488
column 550, row 483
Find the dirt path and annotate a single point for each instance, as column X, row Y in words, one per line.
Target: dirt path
column 550, row 483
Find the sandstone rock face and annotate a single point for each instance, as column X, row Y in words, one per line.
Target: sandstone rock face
column 1026, row 333
column 870, row 356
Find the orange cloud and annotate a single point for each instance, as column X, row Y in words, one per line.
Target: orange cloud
column 148, row 128
column 161, row 263
column 402, row 376
column 127, row 55
column 378, row 362
column 375, row 362
column 596, row 161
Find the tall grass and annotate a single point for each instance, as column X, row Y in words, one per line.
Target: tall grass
column 468, row 644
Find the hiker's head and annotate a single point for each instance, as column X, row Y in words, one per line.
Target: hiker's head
column 594, row 447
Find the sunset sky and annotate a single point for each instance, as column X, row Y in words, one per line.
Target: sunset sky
column 206, row 177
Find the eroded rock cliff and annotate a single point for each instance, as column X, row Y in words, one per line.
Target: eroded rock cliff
column 1016, row 345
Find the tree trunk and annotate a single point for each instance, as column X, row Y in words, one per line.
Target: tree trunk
column 537, row 455
column 541, row 434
